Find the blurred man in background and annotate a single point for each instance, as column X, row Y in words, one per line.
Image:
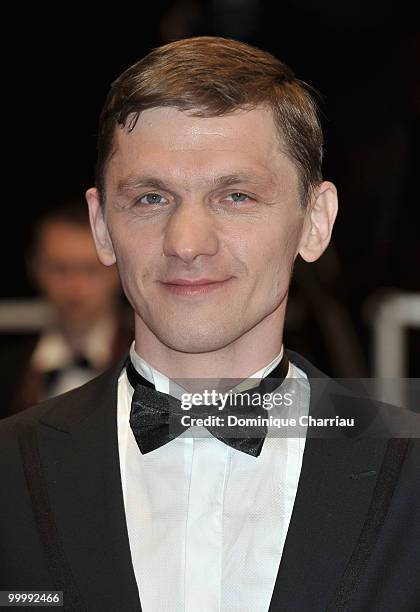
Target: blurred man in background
column 88, row 329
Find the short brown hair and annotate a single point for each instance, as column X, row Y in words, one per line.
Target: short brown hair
column 212, row 76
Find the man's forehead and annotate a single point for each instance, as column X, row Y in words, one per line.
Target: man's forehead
column 249, row 136
column 173, row 113
column 171, row 127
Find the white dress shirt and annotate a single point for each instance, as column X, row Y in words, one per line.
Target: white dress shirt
column 207, row 523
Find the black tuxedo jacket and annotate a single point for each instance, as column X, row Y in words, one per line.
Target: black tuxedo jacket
column 354, row 538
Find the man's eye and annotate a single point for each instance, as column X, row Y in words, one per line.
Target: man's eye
column 151, row 198
column 238, row 196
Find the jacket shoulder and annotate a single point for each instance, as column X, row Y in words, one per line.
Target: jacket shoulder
column 67, row 409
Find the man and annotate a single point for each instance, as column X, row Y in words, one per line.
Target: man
column 88, row 330
column 208, row 187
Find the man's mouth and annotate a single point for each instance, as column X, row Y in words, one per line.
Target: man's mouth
column 199, row 286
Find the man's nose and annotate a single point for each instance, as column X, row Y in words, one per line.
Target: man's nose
column 191, row 231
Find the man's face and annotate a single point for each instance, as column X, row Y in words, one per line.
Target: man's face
column 67, row 271
column 190, row 198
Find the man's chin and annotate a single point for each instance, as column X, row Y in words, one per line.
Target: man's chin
column 192, row 343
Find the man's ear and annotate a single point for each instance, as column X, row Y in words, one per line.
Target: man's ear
column 319, row 221
column 103, row 243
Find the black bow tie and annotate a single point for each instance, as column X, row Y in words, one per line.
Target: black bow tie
column 155, row 417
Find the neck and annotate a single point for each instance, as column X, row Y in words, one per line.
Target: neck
column 246, row 355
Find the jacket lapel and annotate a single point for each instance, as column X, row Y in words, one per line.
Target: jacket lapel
column 78, row 494
column 335, row 491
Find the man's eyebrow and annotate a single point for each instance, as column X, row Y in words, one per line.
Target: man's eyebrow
column 152, row 182
column 134, row 182
column 234, row 179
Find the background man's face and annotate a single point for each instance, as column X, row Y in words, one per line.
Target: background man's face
column 193, row 198
column 69, row 274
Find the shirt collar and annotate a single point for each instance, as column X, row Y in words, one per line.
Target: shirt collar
column 160, row 381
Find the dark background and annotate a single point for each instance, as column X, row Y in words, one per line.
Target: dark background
column 364, row 58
